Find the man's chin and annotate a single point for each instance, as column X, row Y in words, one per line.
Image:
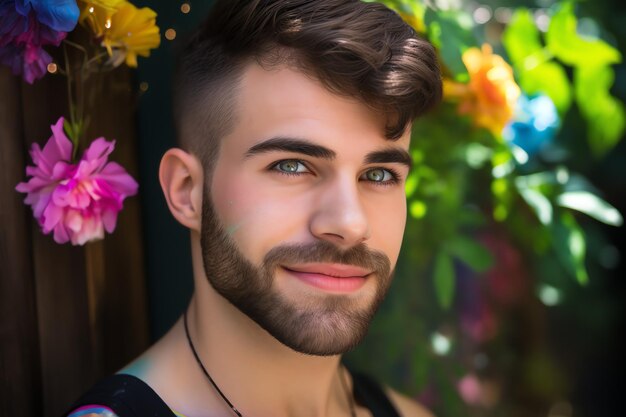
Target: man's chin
column 330, row 328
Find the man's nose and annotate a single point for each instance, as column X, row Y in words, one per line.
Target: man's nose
column 338, row 214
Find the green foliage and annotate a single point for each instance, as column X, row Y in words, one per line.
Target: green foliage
column 592, row 205
column 532, row 62
column 604, row 113
column 569, row 47
column 472, row 254
column 444, row 279
column 539, row 70
column 451, row 32
column 569, row 245
column 471, row 195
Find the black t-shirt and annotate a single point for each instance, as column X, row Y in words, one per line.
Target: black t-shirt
column 129, row 396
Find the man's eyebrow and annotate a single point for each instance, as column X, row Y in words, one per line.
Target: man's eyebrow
column 392, row 155
column 295, row 145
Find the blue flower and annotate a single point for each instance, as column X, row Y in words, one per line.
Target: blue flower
column 28, row 25
column 534, row 124
column 59, row 15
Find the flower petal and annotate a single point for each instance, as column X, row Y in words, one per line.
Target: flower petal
column 60, row 15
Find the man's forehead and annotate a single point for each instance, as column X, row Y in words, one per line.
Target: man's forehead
column 298, row 105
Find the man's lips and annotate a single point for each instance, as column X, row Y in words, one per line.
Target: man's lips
column 330, row 277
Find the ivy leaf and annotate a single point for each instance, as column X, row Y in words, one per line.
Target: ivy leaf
column 573, row 49
column 521, row 39
column 444, row 279
column 605, row 114
column 473, row 254
column 592, row 205
column 451, row 32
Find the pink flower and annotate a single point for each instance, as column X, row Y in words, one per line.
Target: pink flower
column 76, row 202
column 470, row 389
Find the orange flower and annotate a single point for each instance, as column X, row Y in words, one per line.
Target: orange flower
column 491, row 94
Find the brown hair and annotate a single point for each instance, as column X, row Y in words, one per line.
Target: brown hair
column 356, row 49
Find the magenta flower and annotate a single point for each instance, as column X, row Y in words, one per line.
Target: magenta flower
column 76, row 202
column 29, row 61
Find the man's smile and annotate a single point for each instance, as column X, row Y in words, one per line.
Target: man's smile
column 334, row 277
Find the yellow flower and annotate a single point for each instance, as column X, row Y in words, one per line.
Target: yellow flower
column 95, row 11
column 127, row 32
column 491, row 94
column 414, row 21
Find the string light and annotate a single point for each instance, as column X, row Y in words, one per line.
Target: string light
column 185, row 8
column 170, row 34
column 52, row 68
column 107, row 24
column 143, row 86
column 550, row 295
column 440, row 344
column 91, row 9
column 482, row 15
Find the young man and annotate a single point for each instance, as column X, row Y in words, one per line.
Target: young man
column 294, row 124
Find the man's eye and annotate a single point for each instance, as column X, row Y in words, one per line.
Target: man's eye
column 290, row 166
column 379, row 175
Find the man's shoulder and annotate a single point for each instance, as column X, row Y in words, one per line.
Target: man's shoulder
column 92, row 411
column 407, row 407
column 120, row 395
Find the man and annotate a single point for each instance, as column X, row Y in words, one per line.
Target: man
column 294, row 124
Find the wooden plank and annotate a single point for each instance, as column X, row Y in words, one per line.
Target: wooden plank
column 67, row 361
column 120, row 304
column 20, row 379
column 71, row 314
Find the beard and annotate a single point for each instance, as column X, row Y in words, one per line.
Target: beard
column 328, row 324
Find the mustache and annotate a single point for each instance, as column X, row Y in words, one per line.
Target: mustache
column 325, row 252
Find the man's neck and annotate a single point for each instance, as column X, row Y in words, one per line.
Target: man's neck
column 259, row 375
column 255, row 371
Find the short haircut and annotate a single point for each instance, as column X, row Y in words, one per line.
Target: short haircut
column 355, row 49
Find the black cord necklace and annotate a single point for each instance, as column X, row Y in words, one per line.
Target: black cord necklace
column 219, row 391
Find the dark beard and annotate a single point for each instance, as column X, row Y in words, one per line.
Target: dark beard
column 328, row 325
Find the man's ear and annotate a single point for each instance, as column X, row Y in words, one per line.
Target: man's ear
column 182, row 178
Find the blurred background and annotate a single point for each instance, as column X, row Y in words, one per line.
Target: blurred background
column 508, row 297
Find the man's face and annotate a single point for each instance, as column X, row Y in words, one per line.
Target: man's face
column 304, row 217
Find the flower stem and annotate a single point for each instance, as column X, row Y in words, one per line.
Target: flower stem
column 75, row 96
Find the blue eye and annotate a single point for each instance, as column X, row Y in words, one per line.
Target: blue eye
column 290, row 166
column 380, row 175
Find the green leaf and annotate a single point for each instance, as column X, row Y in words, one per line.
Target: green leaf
column 444, row 279
column 573, row 49
column 451, row 32
column 605, row 114
column 570, row 246
column 533, row 64
column 548, row 78
column 521, row 39
column 539, row 203
column 473, row 254
column 592, row 205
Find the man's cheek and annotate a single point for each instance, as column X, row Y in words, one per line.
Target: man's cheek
column 259, row 227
